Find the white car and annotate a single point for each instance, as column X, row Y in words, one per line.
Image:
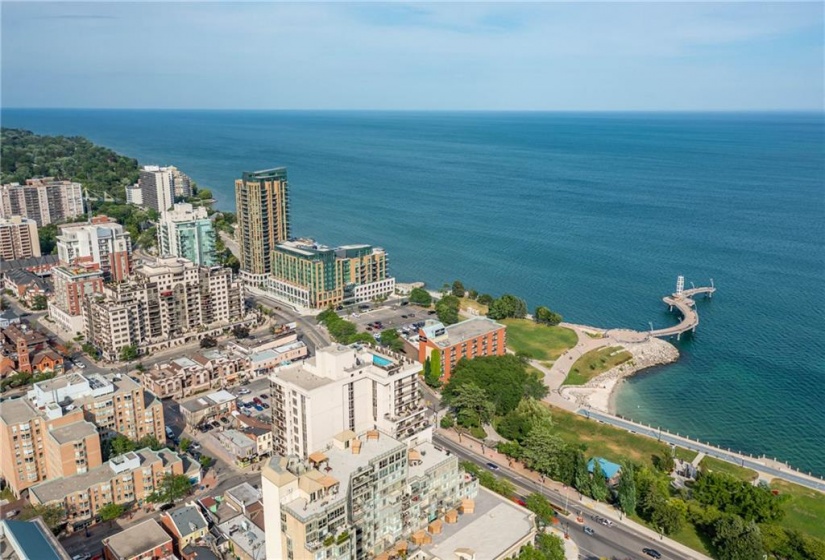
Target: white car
column 244, row 391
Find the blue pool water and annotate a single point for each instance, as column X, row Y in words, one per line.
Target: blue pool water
column 381, row 361
column 593, row 215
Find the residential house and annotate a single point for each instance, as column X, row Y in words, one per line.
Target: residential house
column 260, row 431
column 186, row 524
column 242, row 447
column 26, row 285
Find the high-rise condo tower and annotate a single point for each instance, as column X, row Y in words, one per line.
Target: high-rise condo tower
column 262, row 204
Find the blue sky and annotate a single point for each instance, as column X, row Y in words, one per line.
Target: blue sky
column 473, row 56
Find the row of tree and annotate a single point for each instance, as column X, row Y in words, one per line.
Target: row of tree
column 341, row 330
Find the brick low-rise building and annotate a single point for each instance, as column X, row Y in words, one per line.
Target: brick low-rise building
column 145, row 541
column 127, row 479
column 468, row 339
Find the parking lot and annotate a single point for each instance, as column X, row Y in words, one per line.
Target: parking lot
column 391, row 317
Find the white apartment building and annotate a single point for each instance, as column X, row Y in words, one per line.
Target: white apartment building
column 358, row 497
column 101, row 243
column 134, row 194
column 165, row 303
column 157, row 187
column 186, row 231
column 44, row 200
column 345, row 388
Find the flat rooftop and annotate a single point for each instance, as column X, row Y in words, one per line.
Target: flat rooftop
column 73, row 432
column 495, row 526
column 245, row 535
column 466, row 330
column 17, row 411
column 136, row 540
column 302, row 378
column 244, row 493
column 429, row 457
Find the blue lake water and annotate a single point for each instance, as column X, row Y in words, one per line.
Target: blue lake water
column 593, row 215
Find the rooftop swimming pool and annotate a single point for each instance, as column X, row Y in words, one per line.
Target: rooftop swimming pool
column 381, row 361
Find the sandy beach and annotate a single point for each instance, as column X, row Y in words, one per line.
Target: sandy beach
column 599, row 392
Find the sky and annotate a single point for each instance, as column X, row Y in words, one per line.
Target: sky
column 550, row 56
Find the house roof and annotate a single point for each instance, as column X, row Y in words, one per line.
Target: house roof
column 24, row 277
column 609, row 469
column 31, row 262
column 138, row 539
column 187, row 519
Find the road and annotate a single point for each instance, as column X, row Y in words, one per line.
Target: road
column 621, row 540
column 314, row 336
column 735, row 458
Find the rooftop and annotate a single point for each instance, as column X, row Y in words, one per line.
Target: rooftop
column 30, row 540
column 302, row 378
column 246, row 535
column 206, row 401
column 237, row 438
column 463, row 331
column 427, row 457
column 188, row 519
column 17, row 411
column 609, row 469
column 495, row 526
column 244, row 494
column 138, row 539
column 73, row 432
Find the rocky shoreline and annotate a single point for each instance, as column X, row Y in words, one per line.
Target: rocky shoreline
column 598, row 392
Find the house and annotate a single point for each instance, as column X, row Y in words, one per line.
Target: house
column 611, row 470
column 241, row 446
column 26, row 285
column 8, row 317
column 260, row 432
column 186, row 524
column 145, row 540
column 28, row 349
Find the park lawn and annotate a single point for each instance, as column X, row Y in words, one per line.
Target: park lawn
column 719, row 466
column 467, row 304
column 603, row 440
column 595, row 363
column 689, row 536
column 804, row 510
column 541, row 342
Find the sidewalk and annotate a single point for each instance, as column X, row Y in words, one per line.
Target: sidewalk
column 571, row 549
column 605, row 510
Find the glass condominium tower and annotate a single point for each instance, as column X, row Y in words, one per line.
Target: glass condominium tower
column 262, row 204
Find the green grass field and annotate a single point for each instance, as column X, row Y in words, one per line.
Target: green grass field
column 804, row 510
column 603, row 440
column 595, row 363
column 467, row 304
column 539, row 341
column 717, row 465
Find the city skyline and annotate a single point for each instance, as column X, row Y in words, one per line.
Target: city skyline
column 469, row 56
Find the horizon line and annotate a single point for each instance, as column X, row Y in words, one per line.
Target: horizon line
column 819, row 110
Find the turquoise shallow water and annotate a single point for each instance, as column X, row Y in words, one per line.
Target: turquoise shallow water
column 591, row 214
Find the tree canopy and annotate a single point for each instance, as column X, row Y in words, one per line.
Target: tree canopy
column 544, row 316
column 504, row 379
column 458, row 289
column 24, row 155
column 507, row 306
column 172, row 488
column 420, row 296
column 447, row 309
column 391, row 339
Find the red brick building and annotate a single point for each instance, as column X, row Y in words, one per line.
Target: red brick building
column 469, row 339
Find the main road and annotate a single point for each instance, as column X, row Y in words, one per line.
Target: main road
column 621, row 540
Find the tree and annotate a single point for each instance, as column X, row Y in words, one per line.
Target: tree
column 149, row 441
column 420, row 296
column 119, row 445
column 435, row 366
column 598, row 483
column 485, row 299
column 581, row 478
column 111, row 511
column 517, row 424
column 47, row 235
column 205, row 461
column 540, row 505
column 458, row 289
column 551, row 546
column 447, row 309
column 89, row 349
column 627, row 489
column 204, row 194
column 53, row 515
column 472, row 406
column 472, row 294
column 429, row 378
column 185, row 443
column 392, row 340
column 447, row 422
column 546, row 317
column 669, row 515
column 39, row 303
column 240, row 331
column 507, row 306
column 735, row 539
column 128, row 353
column 172, row 487
column 208, row 342
column 543, row 448
column 504, row 378
column 529, row 552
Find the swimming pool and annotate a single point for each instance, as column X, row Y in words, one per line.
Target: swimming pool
column 381, row 361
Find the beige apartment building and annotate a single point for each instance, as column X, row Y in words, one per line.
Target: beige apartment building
column 37, row 445
column 45, row 200
column 316, row 276
column 71, row 284
column 127, row 479
column 99, row 244
column 18, row 238
column 262, row 206
column 55, row 431
column 167, row 302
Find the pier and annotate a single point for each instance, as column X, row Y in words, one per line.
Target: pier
column 682, row 301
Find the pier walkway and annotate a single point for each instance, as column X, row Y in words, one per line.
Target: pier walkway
column 682, row 300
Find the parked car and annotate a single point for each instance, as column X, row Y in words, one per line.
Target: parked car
column 82, row 557
column 404, row 316
column 264, row 396
column 652, row 552
column 256, row 400
column 243, row 391
column 259, row 408
column 263, row 404
column 225, row 420
column 215, row 424
column 12, row 513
